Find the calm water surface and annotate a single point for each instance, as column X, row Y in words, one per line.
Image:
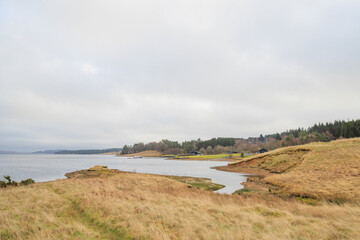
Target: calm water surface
column 47, row 167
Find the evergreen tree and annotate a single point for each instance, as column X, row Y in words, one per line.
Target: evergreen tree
column 125, row 150
column 278, row 137
column 261, row 138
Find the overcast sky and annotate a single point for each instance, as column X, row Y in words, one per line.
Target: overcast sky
column 99, row 74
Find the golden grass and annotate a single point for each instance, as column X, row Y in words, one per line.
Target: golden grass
column 149, row 153
column 221, row 156
column 103, row 171
column 316, row 170
column 118, row 205
column 141, row 206
column 99, row 168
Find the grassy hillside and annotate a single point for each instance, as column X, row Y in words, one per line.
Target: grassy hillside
column 142, row 206
column 316, row 170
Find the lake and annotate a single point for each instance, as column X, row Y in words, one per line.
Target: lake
column 47, row 167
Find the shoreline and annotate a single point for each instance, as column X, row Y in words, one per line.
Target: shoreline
column 103, row 171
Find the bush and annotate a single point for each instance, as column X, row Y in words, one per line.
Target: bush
column 8, row 178
column 10, row 182
column 27, row 182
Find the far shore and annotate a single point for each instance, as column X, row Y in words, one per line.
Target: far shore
column 212, row 157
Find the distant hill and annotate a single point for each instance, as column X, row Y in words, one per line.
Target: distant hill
column 9, row 152
column 89, row 151
column 47, row 151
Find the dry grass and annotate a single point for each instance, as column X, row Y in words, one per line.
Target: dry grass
column 149, row 153
column 317, row 170
column 103, row 172
column 141, row 206
column 118, row 205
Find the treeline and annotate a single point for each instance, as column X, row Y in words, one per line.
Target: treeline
column 214, row 145
column 338, row 129
column 89, row 151
column 321, row 132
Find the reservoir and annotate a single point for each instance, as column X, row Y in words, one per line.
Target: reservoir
column 48, row 167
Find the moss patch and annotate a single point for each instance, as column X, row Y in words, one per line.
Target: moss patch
column 200, row 183
column 243, row 190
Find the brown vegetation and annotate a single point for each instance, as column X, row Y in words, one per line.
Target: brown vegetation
column 142, row 206
column 317, row 170
column 103, row 171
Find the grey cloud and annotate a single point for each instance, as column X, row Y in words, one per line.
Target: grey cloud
column 102, row 74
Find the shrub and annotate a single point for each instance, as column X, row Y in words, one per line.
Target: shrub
column 10, row 182
column 8, row 178
column 27, row 182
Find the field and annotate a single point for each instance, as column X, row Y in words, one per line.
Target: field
column 141, row 206
column 314, row 195
column 222, row 156
column 318, row 170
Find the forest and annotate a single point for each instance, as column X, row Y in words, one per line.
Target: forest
column 320, row 132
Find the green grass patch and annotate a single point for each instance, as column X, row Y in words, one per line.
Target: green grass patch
column 207, row 186
column 308, row 201
column 79, row 235
column 212, row 156
column 6, row 235
column 243, row 190
column 200, row 183
column 267, row 212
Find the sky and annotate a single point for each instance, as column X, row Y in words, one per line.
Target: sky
column 99, row 74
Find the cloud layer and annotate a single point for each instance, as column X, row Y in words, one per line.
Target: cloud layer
column 93, row 74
